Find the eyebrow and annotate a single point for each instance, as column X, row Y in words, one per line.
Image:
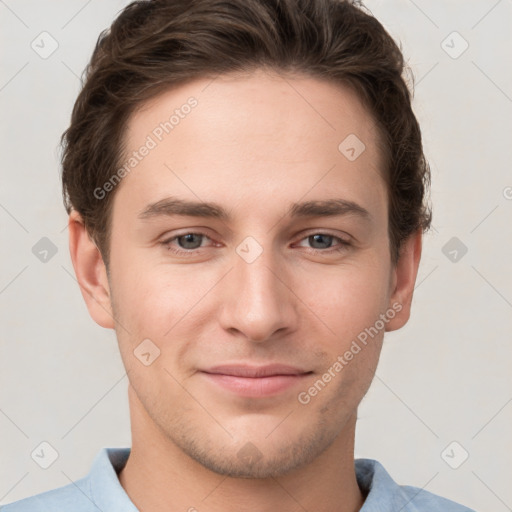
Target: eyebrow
column 172, row 206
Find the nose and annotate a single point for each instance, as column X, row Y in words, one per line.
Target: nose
column 261, row 304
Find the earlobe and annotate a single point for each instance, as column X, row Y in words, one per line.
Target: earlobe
column 90, row 272
column 404, row 280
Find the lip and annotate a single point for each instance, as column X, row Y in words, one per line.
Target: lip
column 242, row 370
column 255, row 381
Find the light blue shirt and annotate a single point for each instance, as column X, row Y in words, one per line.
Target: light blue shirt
column 100, row 491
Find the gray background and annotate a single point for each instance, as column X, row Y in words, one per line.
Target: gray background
column 444, row 377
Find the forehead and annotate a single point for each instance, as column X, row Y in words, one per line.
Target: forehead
column 244, row 139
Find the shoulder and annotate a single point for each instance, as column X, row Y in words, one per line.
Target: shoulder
column 98, row 490
column 423, row 501
column 384, row 494
column 74, row 496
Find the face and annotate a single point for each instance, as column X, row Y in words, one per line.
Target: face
column 288, row 264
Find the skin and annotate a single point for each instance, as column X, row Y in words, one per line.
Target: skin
column 255, row 143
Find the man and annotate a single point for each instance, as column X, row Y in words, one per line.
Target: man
column 213, row 151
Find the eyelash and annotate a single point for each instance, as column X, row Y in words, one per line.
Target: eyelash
column 343, row 244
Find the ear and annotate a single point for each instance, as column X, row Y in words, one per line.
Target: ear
column 403, row 279
column 90, row 272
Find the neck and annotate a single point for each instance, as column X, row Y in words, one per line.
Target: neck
column 159, row 476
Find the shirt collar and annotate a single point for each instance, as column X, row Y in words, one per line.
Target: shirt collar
column 383, row 493
column 104, row 486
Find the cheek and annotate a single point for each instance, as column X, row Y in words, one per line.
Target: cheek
column 351, row 308
column 159, row 300
column 348, row 298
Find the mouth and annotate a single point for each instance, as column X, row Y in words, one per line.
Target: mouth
column 253, row 381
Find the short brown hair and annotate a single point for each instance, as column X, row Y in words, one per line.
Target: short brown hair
column 154, row 45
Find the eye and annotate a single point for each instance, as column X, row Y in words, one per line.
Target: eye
column 188, row 243
column 326, row 239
